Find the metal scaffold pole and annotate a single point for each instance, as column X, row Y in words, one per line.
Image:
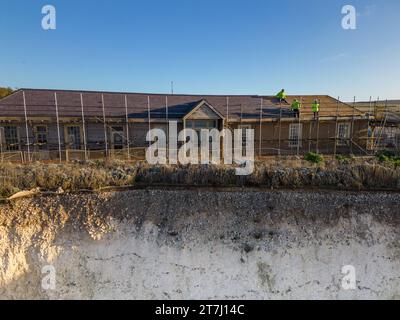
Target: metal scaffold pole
column 383, row 126
column 369, row 122
column 105, row 125
column 261, row 119
column 376, row 111
column 1, row 144
column 352, row 125
column 26, row 127
column 336, row 126
column 149, row 115
column 280, row 128
column 127, row 128
column 58, row 127
column 318, row 127
column 227, row 111
column 167, row 121
column 84, row 128
column 299, row 132
column 309, row 136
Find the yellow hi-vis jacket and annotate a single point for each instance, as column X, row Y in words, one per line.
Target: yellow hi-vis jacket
column 296, row 105
column 281, row 95
column 315, row 107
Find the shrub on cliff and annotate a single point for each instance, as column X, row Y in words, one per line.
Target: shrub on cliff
column 314, row 158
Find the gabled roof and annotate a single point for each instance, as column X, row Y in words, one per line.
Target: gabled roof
column 201, row 104
column 40, row 103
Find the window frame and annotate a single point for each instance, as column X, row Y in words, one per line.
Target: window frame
column 67, row 136
column 115, row 131
column 12, row 145
column 345, row 140
column 41, row 146
column 295, row 142
column 244, row 127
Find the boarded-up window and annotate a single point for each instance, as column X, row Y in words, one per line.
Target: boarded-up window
column 295, row 130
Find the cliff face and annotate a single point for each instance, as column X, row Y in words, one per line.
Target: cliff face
column 200, row 244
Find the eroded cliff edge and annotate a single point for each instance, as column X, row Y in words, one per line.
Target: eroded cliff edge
column 180, row 244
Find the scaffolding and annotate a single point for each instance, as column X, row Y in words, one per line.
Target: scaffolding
column 307, row 133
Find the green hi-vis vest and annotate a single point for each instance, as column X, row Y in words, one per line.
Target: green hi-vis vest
column 296, row 105
column 281, row 95
column 315, row 107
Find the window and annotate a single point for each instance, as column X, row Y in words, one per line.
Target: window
column 117, row 134
column 201, row 124
column 198, row 125
column 11, row 138
column 343, row 134
column 41, row 137
column 244, row 137
column 295, row 130
column 73, row 137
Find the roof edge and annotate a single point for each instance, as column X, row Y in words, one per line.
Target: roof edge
column 170, row 94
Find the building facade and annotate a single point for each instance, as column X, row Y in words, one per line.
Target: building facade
column 60, row 124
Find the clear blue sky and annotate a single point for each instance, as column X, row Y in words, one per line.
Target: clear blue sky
column 204, row 46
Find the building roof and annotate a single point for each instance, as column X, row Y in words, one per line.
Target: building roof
column 41, row 103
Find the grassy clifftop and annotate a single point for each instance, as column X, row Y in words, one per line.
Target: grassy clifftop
column 350, row 174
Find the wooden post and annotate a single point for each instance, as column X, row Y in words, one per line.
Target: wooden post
column 84, row 129
column 261, row 118
column 128, row 142
column 58, row 127
column 336, row 126
column 26, row 127
column 105, row 125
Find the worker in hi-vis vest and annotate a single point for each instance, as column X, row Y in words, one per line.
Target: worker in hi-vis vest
column 281, row 95
column 296, row 106
column 315, row 109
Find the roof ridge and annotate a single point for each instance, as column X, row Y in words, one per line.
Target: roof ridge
column 170, row 94
column 139, row 93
